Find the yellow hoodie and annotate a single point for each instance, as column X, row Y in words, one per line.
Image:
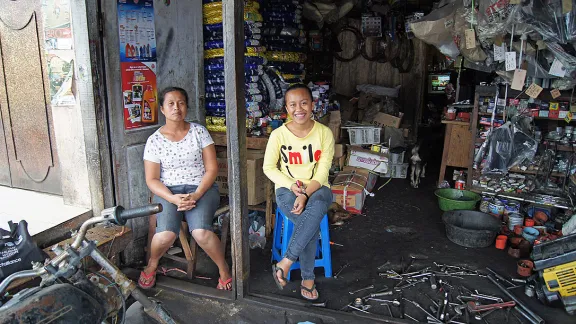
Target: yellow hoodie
column 305, row 159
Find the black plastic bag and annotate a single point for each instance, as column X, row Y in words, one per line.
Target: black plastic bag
column 17, row 250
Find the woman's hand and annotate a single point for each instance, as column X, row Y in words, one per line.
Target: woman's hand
column 296, row 190
column 299, row 205
column 184, row 202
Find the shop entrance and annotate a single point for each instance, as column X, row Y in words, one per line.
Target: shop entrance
column 28, row 157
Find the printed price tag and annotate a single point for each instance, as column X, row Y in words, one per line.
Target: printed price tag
column 568, row 117
column 470, row 38
column 555, row 93
column 518, row 81
column 557, row 69
column 510, row 61
column 566, row 6
column 534, row 90
column 499, row 52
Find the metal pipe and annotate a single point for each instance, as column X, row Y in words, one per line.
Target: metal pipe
column 125, row 284
column 84, row 228
column 20, row 275
column 533, row 317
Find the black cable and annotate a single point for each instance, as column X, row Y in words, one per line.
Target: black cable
column 119, row 293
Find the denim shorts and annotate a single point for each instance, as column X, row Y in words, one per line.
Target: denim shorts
column 199, row 217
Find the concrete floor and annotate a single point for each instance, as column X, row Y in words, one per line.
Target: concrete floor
column 41, row 211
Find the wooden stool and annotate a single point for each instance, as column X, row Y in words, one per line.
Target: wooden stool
column 190, row 249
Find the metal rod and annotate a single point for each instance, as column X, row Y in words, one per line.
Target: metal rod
column 19, row 275
column 533, row 317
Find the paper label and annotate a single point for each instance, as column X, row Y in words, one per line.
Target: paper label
column 500, row 52
column 557, row 69
column 568, row 117
column 514, row 1
column 566, row 6
column 510, row 61
column 555, row 93
column 518, row 81
column 534, row 90
column 470, row 38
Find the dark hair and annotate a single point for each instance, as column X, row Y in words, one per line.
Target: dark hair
column 172, row 89
column 299, row 86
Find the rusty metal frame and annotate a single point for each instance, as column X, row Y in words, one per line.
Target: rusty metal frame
column 233, row 22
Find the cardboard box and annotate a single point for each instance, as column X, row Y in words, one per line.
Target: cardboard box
column 397, row 171
column 554, row 114
column 369, row 160
column 350, row 187
column 338, row 164
column 334, row 124
column 256, row 177
column 383, row 120
column 563, row 114
column 339, row 150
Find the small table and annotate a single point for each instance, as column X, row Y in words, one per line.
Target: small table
column 457, row 146
column 254, row 143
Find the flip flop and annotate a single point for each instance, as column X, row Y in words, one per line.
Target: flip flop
column 282, row 276
column 223, row 285
column 310, row 290
column 146, row 277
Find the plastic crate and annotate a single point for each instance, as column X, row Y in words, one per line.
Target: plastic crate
column 364, row 135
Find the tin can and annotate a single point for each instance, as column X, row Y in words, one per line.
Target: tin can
column 512, row 207
column 460, row 184
column 484, row 205
column 496, row 207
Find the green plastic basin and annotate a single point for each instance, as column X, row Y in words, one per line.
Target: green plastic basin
column 455, row 199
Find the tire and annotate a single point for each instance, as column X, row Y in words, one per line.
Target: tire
column 359, row 43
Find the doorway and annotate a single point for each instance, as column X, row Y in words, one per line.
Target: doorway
column 28, row 157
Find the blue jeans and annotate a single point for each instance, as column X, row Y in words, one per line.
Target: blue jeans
column 199, row 217
column 306, row 226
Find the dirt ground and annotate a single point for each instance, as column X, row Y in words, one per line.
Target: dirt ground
column 400, row 221
column 397, row 222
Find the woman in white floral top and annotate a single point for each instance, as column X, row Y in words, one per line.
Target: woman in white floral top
column 180, row 166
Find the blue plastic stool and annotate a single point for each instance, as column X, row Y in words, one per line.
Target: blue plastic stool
column 281, row 237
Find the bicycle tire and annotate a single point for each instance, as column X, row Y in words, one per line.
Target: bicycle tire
column 405, row 59
column 365, row 55
column 359, row 43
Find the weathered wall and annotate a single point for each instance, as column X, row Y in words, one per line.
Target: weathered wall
column 347, row 75
column 180, row 49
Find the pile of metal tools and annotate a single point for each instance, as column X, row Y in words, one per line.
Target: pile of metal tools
column 451, row 303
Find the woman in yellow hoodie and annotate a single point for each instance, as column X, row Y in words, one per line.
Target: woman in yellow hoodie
column 298, row 157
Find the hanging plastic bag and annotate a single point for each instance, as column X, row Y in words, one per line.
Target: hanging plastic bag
column 499, row 151
column 524, row 147
column 436, row 29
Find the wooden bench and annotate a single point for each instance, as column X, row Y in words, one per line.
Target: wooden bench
column 189, row 245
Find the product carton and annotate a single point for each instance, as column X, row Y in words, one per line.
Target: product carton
column 351, row 186
column 383, row 120
column 256, row 177
column 370, row 160
column 397, row 171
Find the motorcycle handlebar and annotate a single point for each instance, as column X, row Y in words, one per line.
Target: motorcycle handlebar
column 122, row 215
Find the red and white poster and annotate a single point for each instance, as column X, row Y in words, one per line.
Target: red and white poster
column 139, row 94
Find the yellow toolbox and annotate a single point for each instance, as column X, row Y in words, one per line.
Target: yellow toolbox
column 561, row 279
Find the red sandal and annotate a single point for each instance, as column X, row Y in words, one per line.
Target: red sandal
column 223, row 285
column 146, row 277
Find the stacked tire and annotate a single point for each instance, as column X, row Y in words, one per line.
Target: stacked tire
column 254, row 60
column 284, row 37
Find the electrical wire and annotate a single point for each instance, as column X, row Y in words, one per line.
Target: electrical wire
column 119, row 293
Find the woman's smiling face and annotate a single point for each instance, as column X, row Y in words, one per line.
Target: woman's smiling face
column 299, row 105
